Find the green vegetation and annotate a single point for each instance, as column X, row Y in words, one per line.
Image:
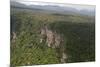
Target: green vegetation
column 78, row 32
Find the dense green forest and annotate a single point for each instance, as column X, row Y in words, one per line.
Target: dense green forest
column 78, row 32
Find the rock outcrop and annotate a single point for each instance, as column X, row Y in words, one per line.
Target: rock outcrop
column 13, row 36
column 53, row 40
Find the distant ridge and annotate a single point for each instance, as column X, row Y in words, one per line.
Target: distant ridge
column 55, row 8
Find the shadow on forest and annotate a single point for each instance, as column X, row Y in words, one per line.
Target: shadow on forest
column 79, row 39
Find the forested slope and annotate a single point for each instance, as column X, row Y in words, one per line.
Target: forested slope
column 78, row 34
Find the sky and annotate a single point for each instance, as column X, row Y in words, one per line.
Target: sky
column 62, row 3
column 90, row 2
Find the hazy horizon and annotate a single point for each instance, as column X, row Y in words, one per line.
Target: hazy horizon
column 77, row 6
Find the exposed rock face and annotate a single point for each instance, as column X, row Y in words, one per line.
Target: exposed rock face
column 50, row 38
column 64, row 57
column 53, row 40
column 58, row 40
column 13, row 37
